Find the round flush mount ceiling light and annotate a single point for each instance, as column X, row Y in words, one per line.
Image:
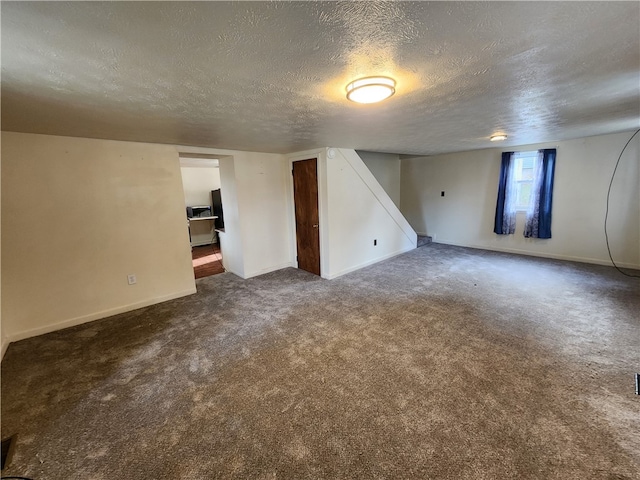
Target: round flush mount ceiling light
column 371, row 89
column 498, row 137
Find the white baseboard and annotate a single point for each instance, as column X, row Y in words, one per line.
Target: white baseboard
column 517, row 251
column 369, row 262
column 93, row 316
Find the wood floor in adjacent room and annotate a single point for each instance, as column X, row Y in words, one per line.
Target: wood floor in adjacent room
column 207, row 260
column 441, row 363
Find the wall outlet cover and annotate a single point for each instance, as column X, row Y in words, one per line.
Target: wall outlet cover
column 131, row 279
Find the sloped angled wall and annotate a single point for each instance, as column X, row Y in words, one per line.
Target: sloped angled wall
column 359, row 212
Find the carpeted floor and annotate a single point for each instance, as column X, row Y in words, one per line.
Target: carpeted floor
column 442, row 363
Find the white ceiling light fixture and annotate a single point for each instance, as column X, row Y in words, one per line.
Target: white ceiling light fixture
column 498, row 137
column 371, row 89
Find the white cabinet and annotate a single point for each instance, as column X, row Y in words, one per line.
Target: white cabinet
column 201, row 226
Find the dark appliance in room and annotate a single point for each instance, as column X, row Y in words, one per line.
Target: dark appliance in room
column 216, row 205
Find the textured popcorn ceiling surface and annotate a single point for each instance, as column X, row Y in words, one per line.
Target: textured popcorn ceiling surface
column 270, row 76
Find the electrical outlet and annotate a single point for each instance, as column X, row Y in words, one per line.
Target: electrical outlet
column 433, row 237
column 375, row 242
column 131, row 279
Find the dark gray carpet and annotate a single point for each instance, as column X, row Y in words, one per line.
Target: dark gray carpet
column 445, row 363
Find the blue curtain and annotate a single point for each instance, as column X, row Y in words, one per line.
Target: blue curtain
column 503, row 224
column 538, row 223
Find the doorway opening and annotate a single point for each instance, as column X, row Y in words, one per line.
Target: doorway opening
column 200, row 182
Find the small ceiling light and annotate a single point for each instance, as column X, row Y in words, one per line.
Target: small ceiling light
column 498, row 138
column 371, row 89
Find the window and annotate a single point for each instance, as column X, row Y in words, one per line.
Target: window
column 523, row 177
column 526, row 184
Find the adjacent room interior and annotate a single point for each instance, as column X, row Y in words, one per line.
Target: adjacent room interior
column 320, row 240
column 203, row 207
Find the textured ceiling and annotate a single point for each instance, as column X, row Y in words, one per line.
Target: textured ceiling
column 270, row 76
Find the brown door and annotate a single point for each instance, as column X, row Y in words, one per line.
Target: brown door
column 305, row 196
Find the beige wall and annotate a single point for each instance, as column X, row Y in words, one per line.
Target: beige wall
column 464, row 216
column 78, row 216
column 4, row 341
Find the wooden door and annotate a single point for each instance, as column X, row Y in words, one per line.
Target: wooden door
column 305, row 197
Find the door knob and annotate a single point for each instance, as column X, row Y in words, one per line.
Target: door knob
column 315, row 225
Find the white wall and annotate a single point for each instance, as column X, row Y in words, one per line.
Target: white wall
column 464, row 216
column 198, row 182
column 78, row 216
column 357, row 212
column 231, row 239
column 262, row 207
column 386, row 168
